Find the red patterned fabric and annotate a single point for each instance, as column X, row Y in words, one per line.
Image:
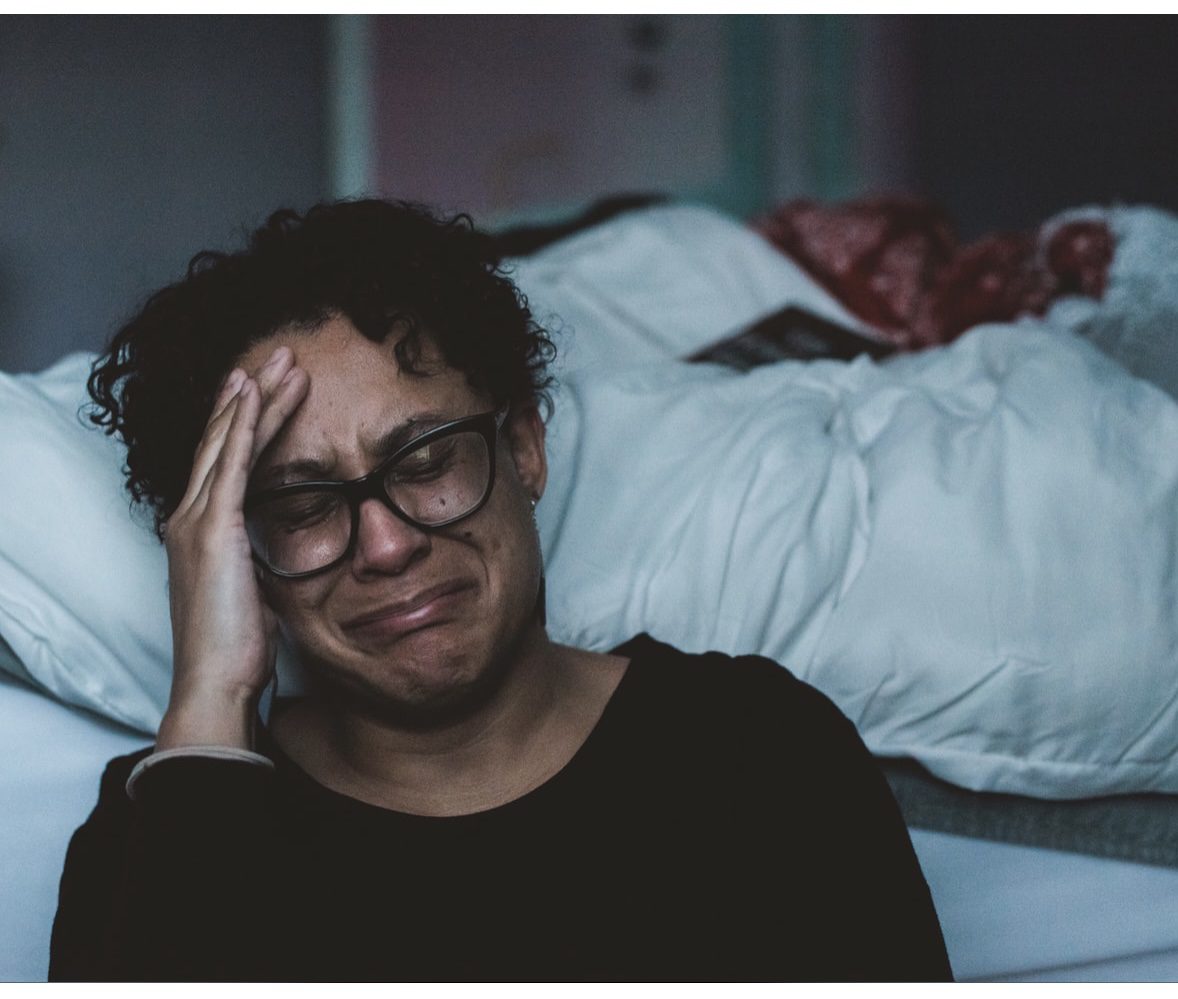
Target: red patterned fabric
column 896, row 264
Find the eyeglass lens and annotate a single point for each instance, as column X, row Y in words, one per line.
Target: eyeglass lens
column 437, row 483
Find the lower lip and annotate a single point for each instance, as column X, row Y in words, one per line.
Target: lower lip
column 439, row 610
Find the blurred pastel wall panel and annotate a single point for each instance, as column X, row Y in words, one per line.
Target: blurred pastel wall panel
column 503, row 115
column 129, row 143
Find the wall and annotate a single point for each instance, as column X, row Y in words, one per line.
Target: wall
column 839, row 101
column 128, row 143
column 528, row 117
column 504, row 116
column 1016, row 118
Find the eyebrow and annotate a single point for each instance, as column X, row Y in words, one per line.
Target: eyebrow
column 403, row 433
column 317, row 469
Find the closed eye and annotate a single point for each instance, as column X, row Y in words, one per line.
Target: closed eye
column 301, row 511
column 424, row 464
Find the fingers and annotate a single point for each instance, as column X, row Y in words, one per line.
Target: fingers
column 210, row 444
column 231, row 471
column 274, row 370
column 281, row 404
column 228, row 392
column 283, row 387
column 279, row 388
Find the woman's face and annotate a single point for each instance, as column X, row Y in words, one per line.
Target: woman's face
column 418, row 622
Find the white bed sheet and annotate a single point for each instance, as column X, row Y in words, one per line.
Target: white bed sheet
column 53, row 757
column 1008, row 911
column 1023, row 913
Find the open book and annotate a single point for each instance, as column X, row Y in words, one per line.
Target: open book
column 791, row 334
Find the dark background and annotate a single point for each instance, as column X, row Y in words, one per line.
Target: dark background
column 128, row 143
column 1020, row 117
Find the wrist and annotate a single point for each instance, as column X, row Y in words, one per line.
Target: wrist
column 187, row 754
column 205, row 717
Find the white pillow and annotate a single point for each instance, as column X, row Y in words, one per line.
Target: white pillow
column 53, row 759
column 83, row 586
column 659, row 283
column 973, row 551
column 83, row 580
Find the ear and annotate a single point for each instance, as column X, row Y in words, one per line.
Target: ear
column 525, row 437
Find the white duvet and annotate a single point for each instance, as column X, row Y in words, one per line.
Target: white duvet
column 973, row 551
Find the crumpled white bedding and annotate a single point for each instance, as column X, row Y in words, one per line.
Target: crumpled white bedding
column 659, row 283
column 971, row 550
column 1136, row 320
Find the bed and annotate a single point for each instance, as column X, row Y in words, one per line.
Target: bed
column 973, row 549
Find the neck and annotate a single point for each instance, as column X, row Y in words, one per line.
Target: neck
column 534, row 721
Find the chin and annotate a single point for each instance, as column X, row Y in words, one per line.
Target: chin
column 440, row 688
column 435, row 709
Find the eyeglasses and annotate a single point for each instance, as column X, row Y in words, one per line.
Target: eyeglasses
column 434, row 480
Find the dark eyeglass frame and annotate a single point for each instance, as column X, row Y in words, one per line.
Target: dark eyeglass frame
column 371, row 486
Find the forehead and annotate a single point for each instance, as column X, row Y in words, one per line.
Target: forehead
column 359, row 392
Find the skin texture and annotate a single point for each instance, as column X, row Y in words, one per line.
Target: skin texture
column 436, row 689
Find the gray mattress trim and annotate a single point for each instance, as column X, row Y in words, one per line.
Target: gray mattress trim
column 1142, row 828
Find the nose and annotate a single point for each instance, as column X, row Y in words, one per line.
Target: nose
column 385, row 544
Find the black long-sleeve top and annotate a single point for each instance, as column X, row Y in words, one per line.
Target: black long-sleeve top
column 723, row 821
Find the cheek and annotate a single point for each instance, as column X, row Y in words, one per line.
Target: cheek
column 297, row 603
column 519, row 546
column 509, row 548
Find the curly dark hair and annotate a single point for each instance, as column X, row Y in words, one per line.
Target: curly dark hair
column 384, row 265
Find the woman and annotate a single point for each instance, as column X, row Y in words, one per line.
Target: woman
column 339, row 431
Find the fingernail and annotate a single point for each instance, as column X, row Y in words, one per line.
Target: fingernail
column 233, row 381
column 278, row 355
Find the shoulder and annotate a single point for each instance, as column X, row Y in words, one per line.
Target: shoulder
column 751, row 739
column 750, row 696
